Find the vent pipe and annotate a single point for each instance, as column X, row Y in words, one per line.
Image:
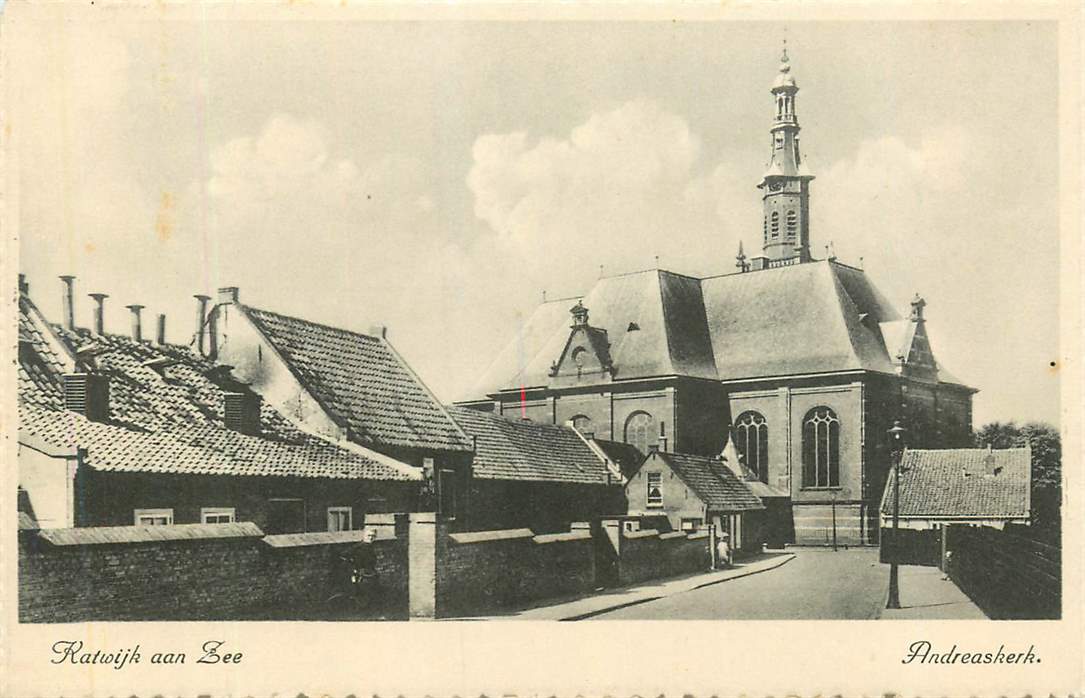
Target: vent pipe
column 160, row 333
column 137, row 326
column 201, row 315
column 68, row 302
column 99, row 311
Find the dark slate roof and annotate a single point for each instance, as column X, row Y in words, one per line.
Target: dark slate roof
column 803, row 318
column 971, row 482
column 508, row 449
column 173, row 423
column 713, row 483
column 817, row 317
column 627, row 456
column 672, row 338
column 362, row 383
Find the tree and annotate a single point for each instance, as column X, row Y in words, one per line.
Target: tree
column 1046, row 447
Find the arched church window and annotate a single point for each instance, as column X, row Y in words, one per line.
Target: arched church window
column 821, row 448
column 582, row 423
column 792, row 223
column 639, row 431
column 775, row 224
column 752, row 442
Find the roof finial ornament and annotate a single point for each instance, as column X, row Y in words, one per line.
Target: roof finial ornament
column 579, row 313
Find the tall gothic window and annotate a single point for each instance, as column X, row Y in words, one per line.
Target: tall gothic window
column 821, row 448
column 752, row 442
column 639, row 432
column 775, row 224
column 792, row 224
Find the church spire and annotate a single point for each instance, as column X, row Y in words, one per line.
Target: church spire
column 785, row 186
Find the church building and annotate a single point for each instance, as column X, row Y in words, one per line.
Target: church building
column 802, row 362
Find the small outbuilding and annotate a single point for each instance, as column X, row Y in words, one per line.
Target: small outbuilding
column 694, row 490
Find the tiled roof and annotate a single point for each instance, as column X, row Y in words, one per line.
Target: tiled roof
column 713, row 483
column 816, row 317
column 962, row 482
column 509, row 449
column 361, row 381
column 627, row 456
column 671, row 336
column 173, row 422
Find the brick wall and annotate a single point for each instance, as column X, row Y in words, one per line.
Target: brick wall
column 486, row 571
column 649, row 554
column 121, row 574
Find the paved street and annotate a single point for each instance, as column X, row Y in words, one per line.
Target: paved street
column 817, row 584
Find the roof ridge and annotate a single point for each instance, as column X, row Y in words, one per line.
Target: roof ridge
column 314, row 323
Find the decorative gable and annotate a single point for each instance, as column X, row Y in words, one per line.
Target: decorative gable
column 586, row 355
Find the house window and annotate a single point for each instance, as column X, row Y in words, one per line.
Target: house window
column 690, row 524
column 638, row 431
column 153, row 517
column 775, row 224
column 449, row 497
column 752, row 442
column 792, row 224
column 821, row 448
column 340, row 518
column 216, row 515
column 655, row 489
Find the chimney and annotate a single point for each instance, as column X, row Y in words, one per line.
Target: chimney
column 24, row 287
column 68, row 303
column 87, row 394
column 378, row 331
column 137, row 327
column 228, row 294
column 201, row 315
column 99, row 311
column 160, row 334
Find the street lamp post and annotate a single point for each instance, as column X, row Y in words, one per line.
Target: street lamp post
column 896, row 444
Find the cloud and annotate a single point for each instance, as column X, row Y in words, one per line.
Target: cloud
column 626, row 184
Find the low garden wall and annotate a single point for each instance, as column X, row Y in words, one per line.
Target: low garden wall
column 196, row 572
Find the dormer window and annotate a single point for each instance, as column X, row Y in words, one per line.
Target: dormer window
column 87, row 394
column 242, row 412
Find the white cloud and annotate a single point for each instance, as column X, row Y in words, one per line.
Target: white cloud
column 624, row 185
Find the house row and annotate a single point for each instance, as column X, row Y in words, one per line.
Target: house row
column 298, row 426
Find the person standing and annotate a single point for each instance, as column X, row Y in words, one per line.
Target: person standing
column 723, row 550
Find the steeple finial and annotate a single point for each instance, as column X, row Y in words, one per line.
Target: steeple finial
column 740, row 259
column 783, row 56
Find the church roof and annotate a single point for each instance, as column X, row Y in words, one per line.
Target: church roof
column 655, row 321
column 818, row 317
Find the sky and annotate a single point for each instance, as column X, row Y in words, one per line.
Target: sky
column 439, row 177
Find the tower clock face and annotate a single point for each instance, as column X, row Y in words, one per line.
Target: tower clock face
column 776, row 186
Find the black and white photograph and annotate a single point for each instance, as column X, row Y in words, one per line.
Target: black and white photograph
column 348, row 322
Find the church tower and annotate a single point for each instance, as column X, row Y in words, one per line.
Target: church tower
column 785, row 187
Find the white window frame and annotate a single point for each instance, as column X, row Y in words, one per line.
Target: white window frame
column 207, row 512
column 349, row 511
column 152, row 514
column 648, row 502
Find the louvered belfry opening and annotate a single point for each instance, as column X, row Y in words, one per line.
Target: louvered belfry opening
column 242, row 412
column 87, row 394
